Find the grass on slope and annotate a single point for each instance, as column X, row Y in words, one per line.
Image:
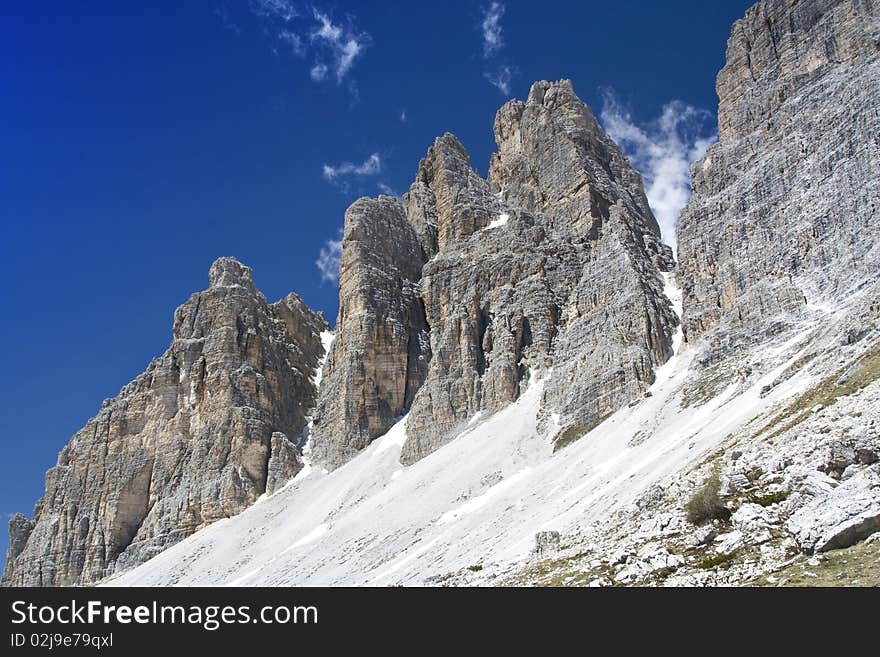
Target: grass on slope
column 858, row 565
column 577, row 432
column 862, row 372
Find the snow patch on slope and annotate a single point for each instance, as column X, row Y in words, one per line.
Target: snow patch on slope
column 501, row 220
column 305, row 440
column 327, row 338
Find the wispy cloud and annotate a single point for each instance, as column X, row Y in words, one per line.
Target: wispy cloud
column 662, row 150
column 341, row 43
column 221, row 11
column 500, row 79
column 283, row 10
column 328, row 260
column 403, row 116
column 331, row 45
column 385, row 188
column 493, row 38
column 295, row 42
column 318, row 72
column 498, row 73
column 369, row 167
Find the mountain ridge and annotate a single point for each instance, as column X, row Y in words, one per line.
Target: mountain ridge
column 517, row 388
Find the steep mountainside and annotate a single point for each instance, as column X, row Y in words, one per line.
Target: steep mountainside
column 380, row 354
column 207, row 429
column 783, row 216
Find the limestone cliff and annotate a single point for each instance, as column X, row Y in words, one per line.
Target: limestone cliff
column 380, row 353
column 198, row 437
column 553, row 263
column 784, row 207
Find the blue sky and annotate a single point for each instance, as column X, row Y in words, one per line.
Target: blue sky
column 140, row 141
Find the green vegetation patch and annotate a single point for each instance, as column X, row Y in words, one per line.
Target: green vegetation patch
column 857, row 565
column 563, row 571
column 716, row 560
column 768, row 500
column 577, row 432
column 705, row 504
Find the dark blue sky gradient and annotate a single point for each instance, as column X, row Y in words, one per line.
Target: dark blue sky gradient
column 140, row 141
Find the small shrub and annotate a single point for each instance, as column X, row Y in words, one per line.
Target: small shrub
column 705, row 504
column 476, row 568
column 716, row 560
column 770, row 499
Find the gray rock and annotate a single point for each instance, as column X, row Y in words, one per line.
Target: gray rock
column 784, row 208
column 734, row 483
column 866, row 455
column 20, row 528
column 844, row 516
column 379, row 357
column 754, row 522
column 651, row 498
column 187, row 443
column 546, row 543
column 702, row 536
column 555, row 261
column 285, row 461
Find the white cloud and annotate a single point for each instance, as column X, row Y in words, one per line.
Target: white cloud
column 497, row 73
column 328, row 260
column 282, row 10
column 343, row 44
column 500, row 79
column 221, row 11
column 369, row 167
column 403, row 117
column 493, row 39
column 330, row 46
column 662, row 151
column 318, row 72
column 295, row 42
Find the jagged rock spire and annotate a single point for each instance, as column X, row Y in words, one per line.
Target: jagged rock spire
column 553, row 261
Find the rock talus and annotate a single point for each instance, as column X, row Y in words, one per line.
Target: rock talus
column 208, row 428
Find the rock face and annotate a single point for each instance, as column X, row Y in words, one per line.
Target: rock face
column 784, row 210
column 553, row 262
column 380, row 355
column 839, row 520
column 206, row 430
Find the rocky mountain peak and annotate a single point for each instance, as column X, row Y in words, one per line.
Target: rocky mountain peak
column 780, row 46
column 229, row 272
column 210, row 426
column 783, row 214
column 451, row 304
column 526, row 314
